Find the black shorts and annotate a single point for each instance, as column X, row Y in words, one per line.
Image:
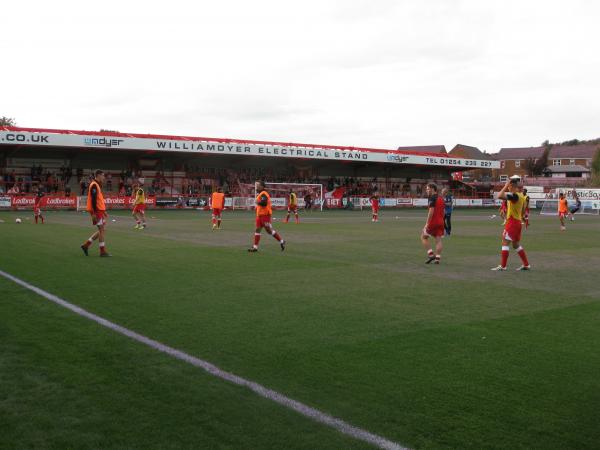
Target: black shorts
column 574, row 210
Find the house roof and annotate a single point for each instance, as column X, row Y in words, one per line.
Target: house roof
column 467, row 151
column 566, row 169
column 519, row 153
column 582, row 151
column 424, row 149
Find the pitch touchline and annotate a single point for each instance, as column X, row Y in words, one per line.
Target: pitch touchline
column 259, row 389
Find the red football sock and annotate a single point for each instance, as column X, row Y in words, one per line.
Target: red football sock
column 276, row 236
column 505, row 249
column 523, row 256
column 429, row 252
column 36, row 219
column 87, row 243
column 218, row 222
column 42, row 217
column 297, row 219
column 256, row 239
column 214, row 221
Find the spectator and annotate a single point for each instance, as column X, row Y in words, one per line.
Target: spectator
column 83, row 185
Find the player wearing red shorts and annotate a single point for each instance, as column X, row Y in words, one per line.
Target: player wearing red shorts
column 292, row 207
column 37, row 212
column 434, row 227
column 514, row 222
column 264, row 212
column 503, row 208
column 217, row 202
column 563, row 210
column 139, row 206
column 526, row 215
column 97, row 209
column 375, row 206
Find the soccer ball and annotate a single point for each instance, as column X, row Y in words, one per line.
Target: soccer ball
column 18, row 220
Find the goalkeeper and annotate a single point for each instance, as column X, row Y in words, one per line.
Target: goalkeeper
column 573, row 209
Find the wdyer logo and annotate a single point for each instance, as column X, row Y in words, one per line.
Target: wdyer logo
column 103, row 142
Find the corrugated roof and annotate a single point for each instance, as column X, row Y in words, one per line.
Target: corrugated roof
column 566, row 169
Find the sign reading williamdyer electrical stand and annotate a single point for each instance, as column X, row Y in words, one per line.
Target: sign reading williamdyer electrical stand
column 231, row 147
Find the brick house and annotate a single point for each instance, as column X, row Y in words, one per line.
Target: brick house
column 562, row 159
column 467, row 151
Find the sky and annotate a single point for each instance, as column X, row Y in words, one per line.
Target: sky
column 372, row 73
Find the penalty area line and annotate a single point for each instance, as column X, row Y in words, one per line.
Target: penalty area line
column 269, row 394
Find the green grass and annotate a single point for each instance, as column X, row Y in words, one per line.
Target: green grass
column 348, row 319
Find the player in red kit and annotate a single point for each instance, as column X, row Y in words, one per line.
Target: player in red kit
column 526, row 215
column 503, row 209
column 375, row 206
column 434, row 227
column 264, row 213
column 37, row 212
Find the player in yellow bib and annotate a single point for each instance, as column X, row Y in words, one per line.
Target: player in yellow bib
column 515, row 212
column 292, row 207
column 139, row 206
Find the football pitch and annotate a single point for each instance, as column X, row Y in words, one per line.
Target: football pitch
column 348, row 320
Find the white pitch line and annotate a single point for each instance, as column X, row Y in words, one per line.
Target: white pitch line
column 305, row 410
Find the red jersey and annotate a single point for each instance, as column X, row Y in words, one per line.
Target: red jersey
column 38, row 201
column 437, row 203
column 375, row 202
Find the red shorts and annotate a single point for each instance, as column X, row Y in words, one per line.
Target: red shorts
column 99, row 218
column 139, row 208
column 217, row 212
column 512, row 230
column 375, row 209
column 562, row 215
column 36, row 211
column 434, row 229
column 261, row 221
column 292, row 208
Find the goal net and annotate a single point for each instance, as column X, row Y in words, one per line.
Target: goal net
column 279, row 195
column 550, row 207
column 81, row 203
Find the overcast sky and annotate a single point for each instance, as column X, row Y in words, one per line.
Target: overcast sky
column 371, row 73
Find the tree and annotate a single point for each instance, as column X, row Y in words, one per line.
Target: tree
column 7, row 122
column 596, row 168
column 530, row 166
column 538, row 166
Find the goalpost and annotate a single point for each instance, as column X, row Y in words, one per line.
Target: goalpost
column 279, row 194
column 590, row 207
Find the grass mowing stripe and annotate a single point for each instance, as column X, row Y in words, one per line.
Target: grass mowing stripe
column 264, row 392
